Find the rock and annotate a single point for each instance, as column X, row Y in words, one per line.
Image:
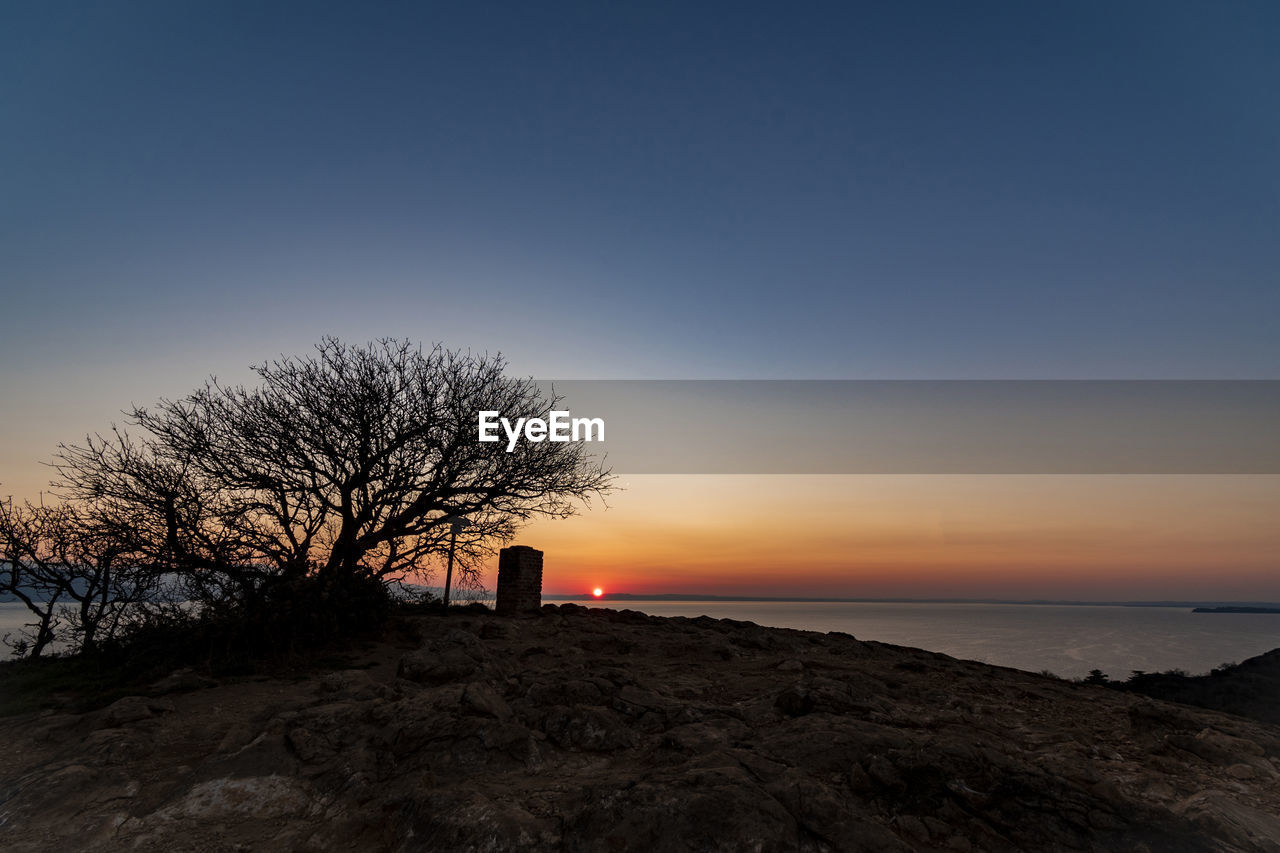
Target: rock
column 716, row 811
column 182, row 681
column 602, row 737
column 638, row 703
column 1160, row 790
column 1149, row 717
column 913, row 827
column 1211, row 744
column 840, row 697
column 794, row 701
column 113, row 745
column 130, row 709
column 591, row 729
column 884, row 773
column 480, row 698
column 826, row 813
column 571, row 692
column 496, row 630
column 459, row 639
column 236, row 737
column 456, row 655
column 354, row 684
column 756, row 638
column 307, row 745
column 463, row 821
column 1232, row 820
column 628, row 617
column 425, row 667
column 260, row 797
column 702, row 738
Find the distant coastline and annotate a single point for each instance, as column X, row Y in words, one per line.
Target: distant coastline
column 1195, row 606
column 1236, row 609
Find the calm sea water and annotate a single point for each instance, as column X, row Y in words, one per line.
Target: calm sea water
column 1068, row 640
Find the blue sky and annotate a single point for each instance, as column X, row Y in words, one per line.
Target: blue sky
column 895, row 190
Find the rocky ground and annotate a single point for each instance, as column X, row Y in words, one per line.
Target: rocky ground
column 613, row 731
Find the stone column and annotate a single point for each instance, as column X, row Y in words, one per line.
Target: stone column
column 519, row 581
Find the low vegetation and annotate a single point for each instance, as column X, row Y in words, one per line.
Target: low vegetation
column 1248, row 689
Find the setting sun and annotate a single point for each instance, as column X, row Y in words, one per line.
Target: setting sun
column 597, row 592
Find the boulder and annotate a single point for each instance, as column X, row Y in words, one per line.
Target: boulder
column 590, row 729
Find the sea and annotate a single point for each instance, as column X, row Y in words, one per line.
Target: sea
column 1067, row 640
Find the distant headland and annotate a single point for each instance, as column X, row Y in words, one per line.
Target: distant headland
column 1234, row 609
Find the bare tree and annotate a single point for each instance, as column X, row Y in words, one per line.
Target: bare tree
column 20, row 533
column 347, row 463
column 161, row 508
column 74, row 573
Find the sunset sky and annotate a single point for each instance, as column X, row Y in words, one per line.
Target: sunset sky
column 671, row 191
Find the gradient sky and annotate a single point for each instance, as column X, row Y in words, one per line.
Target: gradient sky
column 900, row 190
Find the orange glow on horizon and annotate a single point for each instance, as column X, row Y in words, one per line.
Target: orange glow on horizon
column 1060, row 537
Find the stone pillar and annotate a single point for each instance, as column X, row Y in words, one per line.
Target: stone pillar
column 519, row 581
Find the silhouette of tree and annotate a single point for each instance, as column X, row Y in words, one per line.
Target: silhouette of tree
column 346, row 464
column 74, row 574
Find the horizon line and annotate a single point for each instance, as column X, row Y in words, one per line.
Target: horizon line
column 628, row 596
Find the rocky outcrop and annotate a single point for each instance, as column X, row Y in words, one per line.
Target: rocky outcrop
column 596, row 730
column 1250, row 688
